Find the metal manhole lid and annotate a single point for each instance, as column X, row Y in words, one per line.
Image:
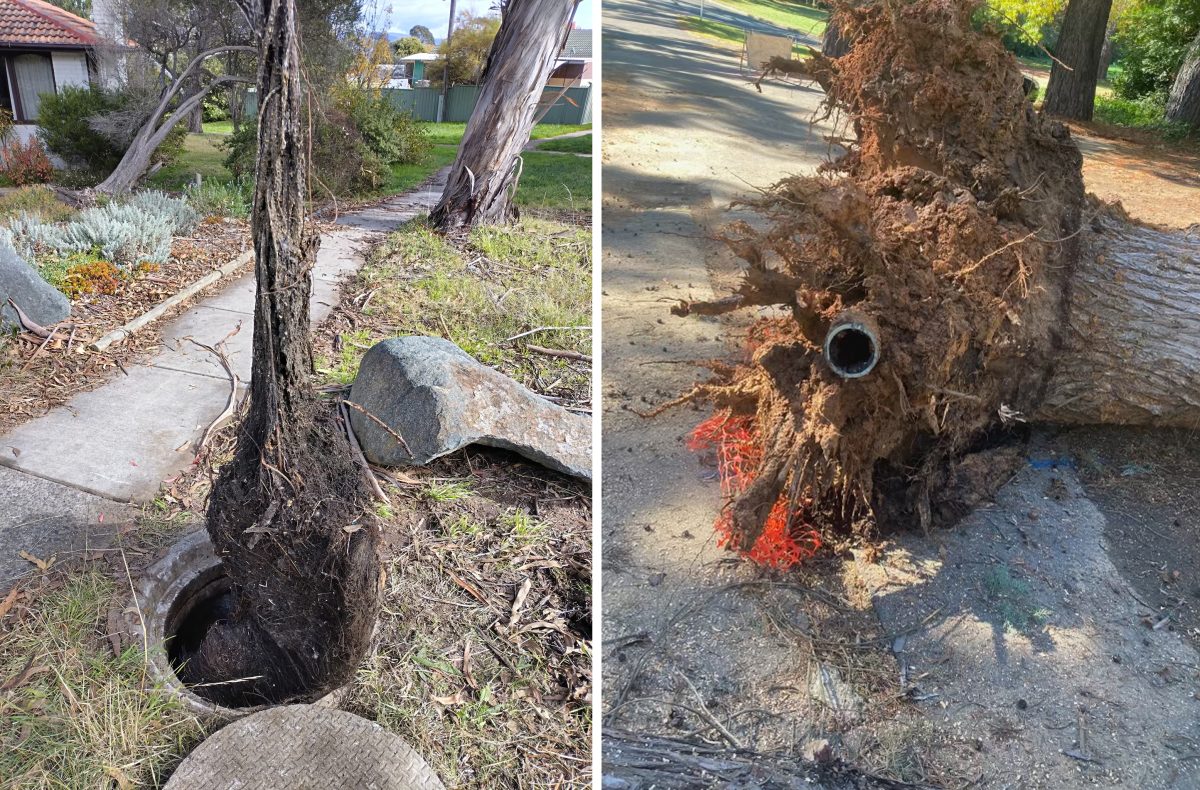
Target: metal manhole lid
column 304, row 747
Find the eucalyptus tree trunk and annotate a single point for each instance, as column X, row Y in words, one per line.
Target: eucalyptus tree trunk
column 1183, row 105
column 487, row 171
column 289, row 514
column 1071, row 92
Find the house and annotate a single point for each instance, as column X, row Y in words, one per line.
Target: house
column 416, row 68
column 574, row 64
column 43, row 49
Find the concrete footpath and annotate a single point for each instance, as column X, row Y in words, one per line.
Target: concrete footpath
column 72, row 472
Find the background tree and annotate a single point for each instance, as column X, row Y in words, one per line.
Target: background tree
column 467, row 50
column 1183, row 105
column 288, row 515
column 409, row 45
column 81, row 8
column 487, row 170
column 1153, row 37
column 422, row 34
column 1071, row 92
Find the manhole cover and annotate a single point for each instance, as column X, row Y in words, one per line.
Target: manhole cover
column 304, row 747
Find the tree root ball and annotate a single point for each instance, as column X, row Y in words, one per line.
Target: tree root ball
column 927, row 271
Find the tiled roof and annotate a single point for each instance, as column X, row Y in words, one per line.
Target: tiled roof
column 578, row 46
column 38, row 23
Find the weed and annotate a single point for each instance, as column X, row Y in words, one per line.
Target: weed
column 447, row 492
column 35, row 201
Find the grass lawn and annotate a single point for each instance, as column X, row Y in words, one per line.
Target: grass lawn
column 805, row 19
column 552, row 181
column 405, row 177
column 451, row 133
column 724, row 32
column 569, row 145
column 218, row 127
column 200, row 155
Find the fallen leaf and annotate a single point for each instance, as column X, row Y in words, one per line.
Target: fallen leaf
column 8, row 602
column 466, row 664
column 43, row 565
column 350, row 529
column 22, row 677
column 454, row 699
column 519, row 601
column 118, row 776
column 16, row 452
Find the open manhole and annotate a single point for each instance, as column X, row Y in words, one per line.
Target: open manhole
column 179, row 599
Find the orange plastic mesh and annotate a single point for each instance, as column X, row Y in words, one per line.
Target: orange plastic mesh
column 735, row 441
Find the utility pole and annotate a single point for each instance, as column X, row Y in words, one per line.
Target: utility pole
column 444, row 109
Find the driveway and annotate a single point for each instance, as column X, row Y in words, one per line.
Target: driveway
column 684, row 135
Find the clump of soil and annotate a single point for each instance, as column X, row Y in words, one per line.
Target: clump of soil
column 950, row 227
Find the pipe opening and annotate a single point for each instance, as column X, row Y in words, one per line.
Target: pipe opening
column 851, row 349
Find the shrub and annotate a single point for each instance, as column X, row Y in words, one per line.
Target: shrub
column 67, row 122
column 1144, row 113
column 1153, row 39
column 356, row 140
column 126, row 234
column 214, row 199
column 91, row 276
column 6, row 124
column 64, row 120
column 39, row 201
column 25, row 162
column 215, row 108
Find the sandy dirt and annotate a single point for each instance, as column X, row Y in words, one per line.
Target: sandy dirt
column 689, row 628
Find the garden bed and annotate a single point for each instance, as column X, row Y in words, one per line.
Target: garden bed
column 39, row 375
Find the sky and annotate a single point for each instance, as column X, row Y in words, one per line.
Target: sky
column 434, row 13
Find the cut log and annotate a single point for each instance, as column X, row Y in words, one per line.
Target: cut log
column 1131, row 354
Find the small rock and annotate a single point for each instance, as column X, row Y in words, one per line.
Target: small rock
column 439, row 399
column 826, row 686
column 20, row 282
column 817, row 750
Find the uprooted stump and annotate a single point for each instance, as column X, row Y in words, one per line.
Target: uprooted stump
column 948, row 279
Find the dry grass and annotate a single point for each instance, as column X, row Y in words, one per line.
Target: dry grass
column 483, row 658
column 75, row 708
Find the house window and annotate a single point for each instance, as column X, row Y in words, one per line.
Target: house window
column 32, row 76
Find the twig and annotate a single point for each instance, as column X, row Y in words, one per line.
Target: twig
column 545, row 329
column 380, row 423
column 558, row 352
column 227, row 412
column 362, row 459
column 40, row 348
column 707, row 715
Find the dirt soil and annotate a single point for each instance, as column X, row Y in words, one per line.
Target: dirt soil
column 692, row 633
column 1155, row 182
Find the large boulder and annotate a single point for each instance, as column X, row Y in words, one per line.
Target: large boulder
column 20, row 282
column 439, row 399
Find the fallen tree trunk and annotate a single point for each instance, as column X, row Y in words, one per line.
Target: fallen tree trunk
column 948, row 279
column 1131, row 355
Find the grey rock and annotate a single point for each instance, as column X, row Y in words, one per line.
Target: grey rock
column 20, row 282
column 439, row 399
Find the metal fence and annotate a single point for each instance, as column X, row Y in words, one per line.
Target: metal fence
column 574, row 106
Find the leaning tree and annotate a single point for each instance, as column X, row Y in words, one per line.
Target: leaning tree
column 947, row 280
column 1183, row 104
column 487, row 171
column 289, row 513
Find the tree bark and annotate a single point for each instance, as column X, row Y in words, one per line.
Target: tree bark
column 1071, row 92
column 835, row 43
column 1183, row 105
column 137, row 157
column 487, row 171
column 288, row 515
column 1131, row 354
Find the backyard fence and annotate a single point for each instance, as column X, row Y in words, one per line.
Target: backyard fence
column 573, row 107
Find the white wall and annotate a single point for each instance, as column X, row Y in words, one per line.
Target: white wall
column 70, row 69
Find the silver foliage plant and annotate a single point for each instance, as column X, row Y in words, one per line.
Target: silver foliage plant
column 129, row 232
